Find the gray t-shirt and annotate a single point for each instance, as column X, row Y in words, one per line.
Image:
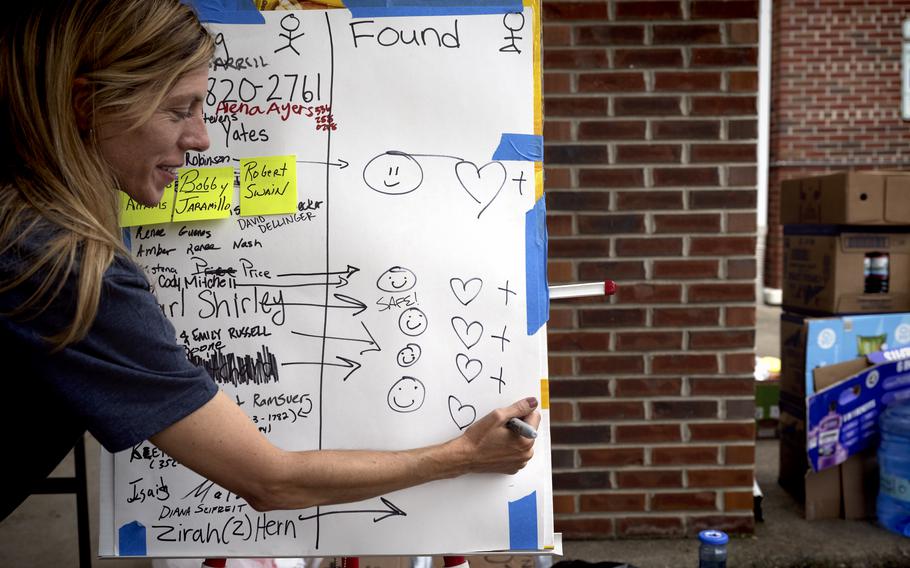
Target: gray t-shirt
column 126, row 381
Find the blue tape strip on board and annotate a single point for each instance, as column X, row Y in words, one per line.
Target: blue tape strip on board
column 538, row 293
column 523, row 523
column 131, row 540
column 226, row 11
column 520, row 147
column 383, row 8
column 127, row 238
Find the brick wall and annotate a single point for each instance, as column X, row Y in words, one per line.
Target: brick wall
column 835, row 102
column 650, row 129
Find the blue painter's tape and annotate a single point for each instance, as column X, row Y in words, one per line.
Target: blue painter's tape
column 132, row 539
column 520, row 147
column 523, row 523
column 538, row 293
column 226, row 11
column 127, row 238
column 383, row 8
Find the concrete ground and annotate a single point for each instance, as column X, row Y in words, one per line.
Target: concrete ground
column 42, row 532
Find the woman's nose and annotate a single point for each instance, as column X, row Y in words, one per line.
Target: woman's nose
column 196, row 136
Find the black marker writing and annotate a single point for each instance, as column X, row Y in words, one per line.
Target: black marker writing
column 232, row 369
column 514, row 22
column 389, row 36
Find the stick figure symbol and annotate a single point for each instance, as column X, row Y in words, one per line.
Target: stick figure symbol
column 290, row 24
column 513, row 22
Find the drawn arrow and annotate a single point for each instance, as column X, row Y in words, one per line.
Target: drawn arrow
column 340, row 283
column 371, row 341
column 391, row 511
column 394, row 152
column 343, row 276
column 342, row 164
column 345, row 362
column 354, row 304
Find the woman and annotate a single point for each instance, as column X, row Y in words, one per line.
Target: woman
column 101, row 96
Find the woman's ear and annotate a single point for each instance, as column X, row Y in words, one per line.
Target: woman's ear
column 82, row 104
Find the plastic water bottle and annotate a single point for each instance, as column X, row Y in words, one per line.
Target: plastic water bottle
column 713, row 550
column 893, row 503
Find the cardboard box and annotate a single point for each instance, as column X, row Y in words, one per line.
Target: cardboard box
column 808, row 342
column 846, row 491
column 827, row 453
column 847, row 198
column 827, row 270
column 842, row 416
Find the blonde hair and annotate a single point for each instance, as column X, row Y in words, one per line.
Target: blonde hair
column 128, row 54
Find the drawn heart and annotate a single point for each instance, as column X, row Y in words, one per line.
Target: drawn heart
column 469, row 368
column 462, row 414
column 469, row 334
column 482, row 184
column 465, row 291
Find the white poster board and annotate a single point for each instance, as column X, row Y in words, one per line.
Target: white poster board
column 388, row 311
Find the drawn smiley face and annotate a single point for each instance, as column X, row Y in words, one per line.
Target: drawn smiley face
column 393, row 173
column 409, row 355
column 412, row 322
column 406, row 395
column 396, row 279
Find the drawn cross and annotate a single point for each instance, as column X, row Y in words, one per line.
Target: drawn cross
column 520, row 179
column 507, row 292
column 499, row 380
column 502, row 339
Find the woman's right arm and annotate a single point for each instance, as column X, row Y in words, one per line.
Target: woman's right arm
column 219, row 442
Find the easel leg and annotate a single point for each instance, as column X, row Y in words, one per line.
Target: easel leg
column 82, row 523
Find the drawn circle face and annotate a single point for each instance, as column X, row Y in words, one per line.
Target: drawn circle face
column 393, row 173
column 396, row 279
column 412, row 322
column 409, row 355
column 406, row 395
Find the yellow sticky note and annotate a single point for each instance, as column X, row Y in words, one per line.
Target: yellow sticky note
column 203, row 193
column 268, row 185
column 133, row 213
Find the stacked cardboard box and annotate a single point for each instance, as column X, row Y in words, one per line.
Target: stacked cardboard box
column 846, row 280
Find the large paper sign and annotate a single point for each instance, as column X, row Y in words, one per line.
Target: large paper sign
column 372, row 290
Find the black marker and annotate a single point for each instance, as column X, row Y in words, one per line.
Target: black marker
column 521, row 428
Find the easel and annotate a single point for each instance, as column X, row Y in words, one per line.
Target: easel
column 605, row 288
column 76, row 484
